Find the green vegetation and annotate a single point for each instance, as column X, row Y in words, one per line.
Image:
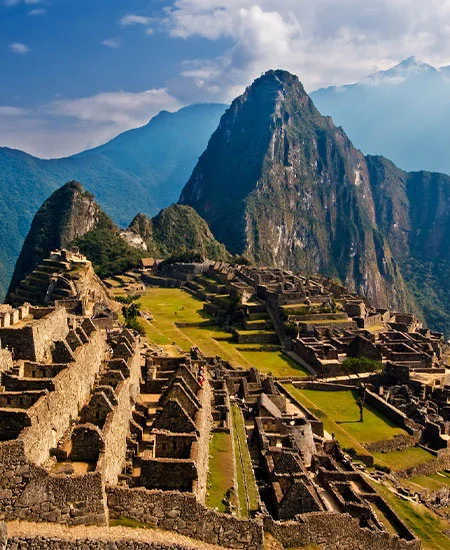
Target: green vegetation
column 130, row 313
column 357, row 365
column 108, row 252
column 179, row 234
column 426, row 524
column 340, row 414
column 400, row 460
column 248, row 494
column 220, row 471
column 432, row 482
column 169, row 306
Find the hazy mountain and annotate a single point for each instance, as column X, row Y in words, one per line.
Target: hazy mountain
column 284, row 185
column 140, row 170
column 402, row 113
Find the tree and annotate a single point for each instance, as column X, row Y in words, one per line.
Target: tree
column 130, row 312
column 357, row 365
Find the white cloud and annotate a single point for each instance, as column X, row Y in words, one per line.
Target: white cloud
column 39, row 11
column 128, row 20
column 122, row 108
column 6, row 110
column 10, row 3
column 324, row 42
column 67, row 126
column 111, row 42
column 18, row 47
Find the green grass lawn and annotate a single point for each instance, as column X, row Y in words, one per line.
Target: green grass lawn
column 400, row 460
column 248, row 494
column 340, row 414
column 432, row 482
column 220, row 470
column 276, row 362
column 427, row 525
column 169, row 306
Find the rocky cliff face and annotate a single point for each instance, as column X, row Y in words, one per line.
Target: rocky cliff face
column 71, row 217
column 173, row 230
column 67, row 214
column 281, row 183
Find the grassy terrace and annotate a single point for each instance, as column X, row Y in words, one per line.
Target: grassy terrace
column 427, row 525
column 169, row 306
column 432, row 482
column 340, row 414
column 221, row 470
column 399, row 460
column 248, row 495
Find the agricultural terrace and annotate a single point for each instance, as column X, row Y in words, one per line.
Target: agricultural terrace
column 425, row 523
column 340, row 415
column 169, row 307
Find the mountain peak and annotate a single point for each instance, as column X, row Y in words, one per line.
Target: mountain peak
column 70, row 212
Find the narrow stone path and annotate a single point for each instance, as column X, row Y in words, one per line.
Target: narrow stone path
column 82, row 532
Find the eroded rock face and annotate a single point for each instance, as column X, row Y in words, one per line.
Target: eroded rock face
column 281, row 183
column 69, row 213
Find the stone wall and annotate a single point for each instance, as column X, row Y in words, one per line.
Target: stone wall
column 51, row 415
column 442, row 462
column 115, row 430
column 334, row 532
column 184, row 514
column 388, row 410
column 33, row 341
column 399, row 442
column 205, row 425
column 6, row 362
column 30, row 492
column 55, row 543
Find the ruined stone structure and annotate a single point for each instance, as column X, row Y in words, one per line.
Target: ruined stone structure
column 96, row 426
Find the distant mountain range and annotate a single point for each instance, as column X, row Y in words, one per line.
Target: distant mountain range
column 402, row 113
column 141, row 170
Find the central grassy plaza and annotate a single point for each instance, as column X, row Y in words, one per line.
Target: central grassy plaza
column 170, row 307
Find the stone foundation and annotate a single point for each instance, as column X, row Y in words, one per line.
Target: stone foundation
column 183, row 514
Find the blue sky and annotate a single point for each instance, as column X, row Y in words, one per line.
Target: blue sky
column 77, row 72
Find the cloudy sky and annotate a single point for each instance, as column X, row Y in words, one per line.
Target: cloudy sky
column 75, row 73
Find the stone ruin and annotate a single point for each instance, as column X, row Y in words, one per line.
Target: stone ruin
column 95, row 426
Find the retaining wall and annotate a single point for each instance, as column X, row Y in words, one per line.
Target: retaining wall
column 182, row 513
column 334, row 532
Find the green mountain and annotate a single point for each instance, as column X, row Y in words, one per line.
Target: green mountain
column 148, row 166
column 70, row 217
column 282, row 184
column 176, row 229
